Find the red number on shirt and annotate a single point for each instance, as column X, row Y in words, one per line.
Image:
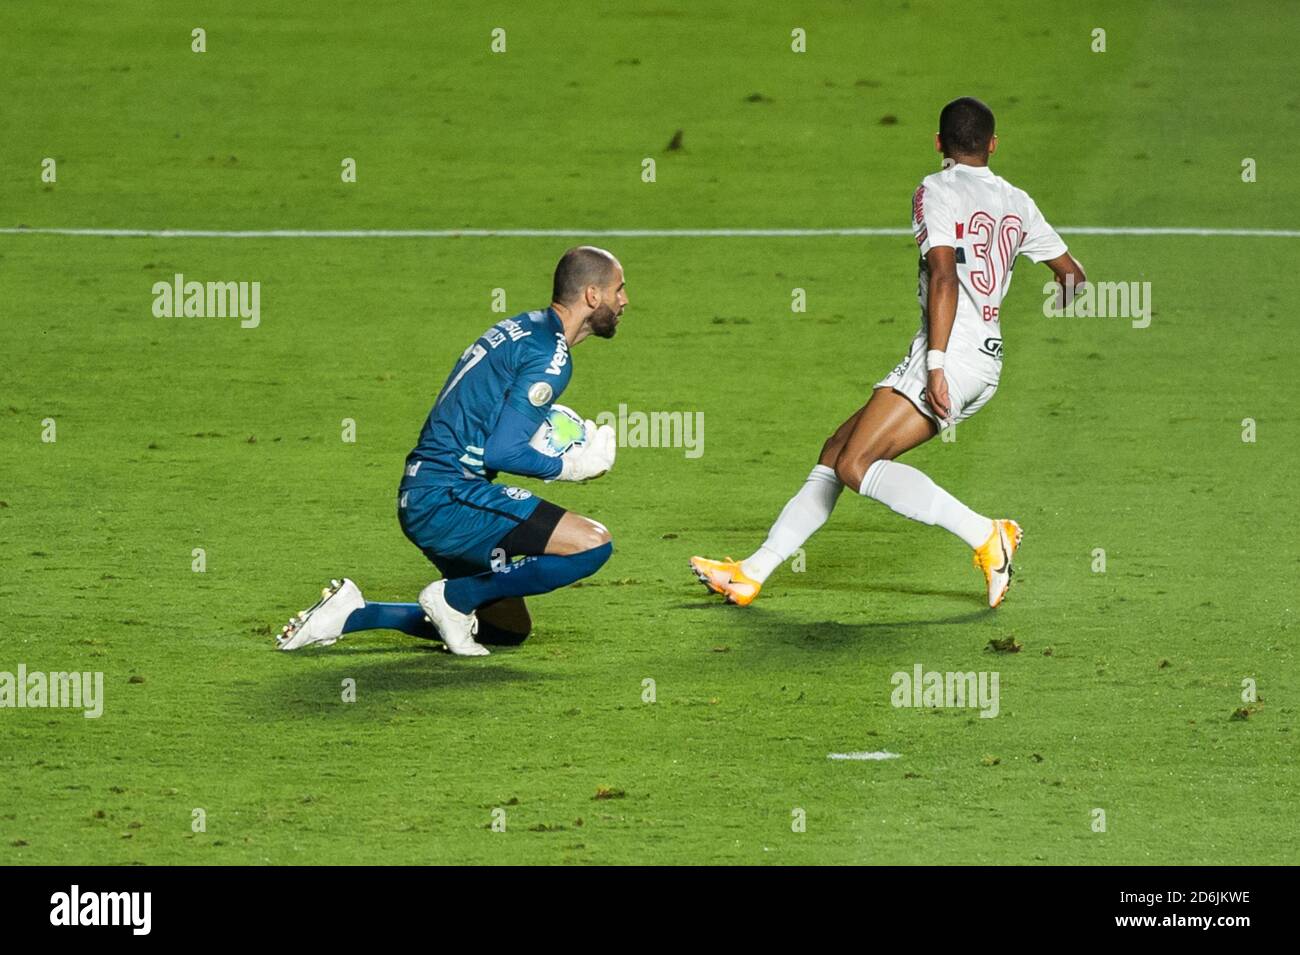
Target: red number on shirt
column 1010, row 232
column 985, row 280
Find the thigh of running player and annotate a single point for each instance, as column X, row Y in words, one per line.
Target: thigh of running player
column 887, row 426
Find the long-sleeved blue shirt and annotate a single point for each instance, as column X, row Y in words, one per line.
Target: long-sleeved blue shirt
column 498, row 393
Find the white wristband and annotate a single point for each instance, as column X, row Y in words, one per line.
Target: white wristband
column 934, row 359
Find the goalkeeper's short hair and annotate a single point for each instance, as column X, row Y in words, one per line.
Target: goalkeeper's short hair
column 581, row 266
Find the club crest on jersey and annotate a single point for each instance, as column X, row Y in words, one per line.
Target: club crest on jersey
column 540, row 394
column 561, row 357
column 517, row 493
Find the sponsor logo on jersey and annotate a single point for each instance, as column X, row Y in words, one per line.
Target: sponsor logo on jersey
column 561, row 357
column 517, row 493
column 540, row 394
column 992, row 347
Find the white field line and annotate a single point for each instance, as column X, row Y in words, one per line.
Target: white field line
column 599, row 233
column 863, row 756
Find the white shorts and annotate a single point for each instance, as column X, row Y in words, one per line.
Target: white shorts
column 972, row 380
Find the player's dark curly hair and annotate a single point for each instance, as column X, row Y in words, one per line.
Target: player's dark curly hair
column 965, row 127
column 579, row 267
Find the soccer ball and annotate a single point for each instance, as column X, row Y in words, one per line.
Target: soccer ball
column 562, row 431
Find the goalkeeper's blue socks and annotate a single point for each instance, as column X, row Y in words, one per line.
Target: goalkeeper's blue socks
column 532, row 575
column 408, row 618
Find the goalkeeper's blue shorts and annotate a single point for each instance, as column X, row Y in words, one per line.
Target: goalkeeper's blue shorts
column 472, row 526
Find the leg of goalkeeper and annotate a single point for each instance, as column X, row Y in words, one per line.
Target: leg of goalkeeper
column 576, row 548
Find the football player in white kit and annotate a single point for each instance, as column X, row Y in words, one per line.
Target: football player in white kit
column 970, row 225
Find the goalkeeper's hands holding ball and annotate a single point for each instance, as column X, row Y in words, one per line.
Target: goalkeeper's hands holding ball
column 594, row 458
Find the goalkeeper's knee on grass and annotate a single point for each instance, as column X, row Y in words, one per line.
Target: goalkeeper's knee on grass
column 505, row 623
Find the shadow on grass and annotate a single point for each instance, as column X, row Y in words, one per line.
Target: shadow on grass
column 783, row 628
column 419, row 675
column 969, row 595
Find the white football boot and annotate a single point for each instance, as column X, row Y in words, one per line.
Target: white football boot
column 456, row 629
column 322, row 624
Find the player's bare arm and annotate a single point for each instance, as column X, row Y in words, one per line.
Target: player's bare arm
column 1069, row 277
column 941, row 261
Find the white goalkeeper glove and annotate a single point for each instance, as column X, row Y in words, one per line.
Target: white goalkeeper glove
column 594, row 458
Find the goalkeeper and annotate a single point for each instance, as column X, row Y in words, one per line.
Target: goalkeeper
column 497, row 395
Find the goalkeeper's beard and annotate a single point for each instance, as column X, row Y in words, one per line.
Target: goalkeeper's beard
column 603, row 321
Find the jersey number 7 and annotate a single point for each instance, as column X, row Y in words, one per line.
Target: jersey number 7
column 472, row 357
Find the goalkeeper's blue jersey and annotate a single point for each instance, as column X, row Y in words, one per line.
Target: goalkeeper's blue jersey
column 522, row 363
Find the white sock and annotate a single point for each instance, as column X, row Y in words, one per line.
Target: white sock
column 798, row 521
column 911, row 493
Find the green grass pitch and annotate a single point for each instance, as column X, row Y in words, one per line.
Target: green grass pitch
column 177, row 434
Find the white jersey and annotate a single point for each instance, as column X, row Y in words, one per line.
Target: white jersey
column 988, row 222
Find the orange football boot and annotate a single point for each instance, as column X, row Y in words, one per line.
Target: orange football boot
column 725, row 577
column 994, row 558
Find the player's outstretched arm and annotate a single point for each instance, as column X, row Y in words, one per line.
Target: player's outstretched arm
column 1069, row 277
